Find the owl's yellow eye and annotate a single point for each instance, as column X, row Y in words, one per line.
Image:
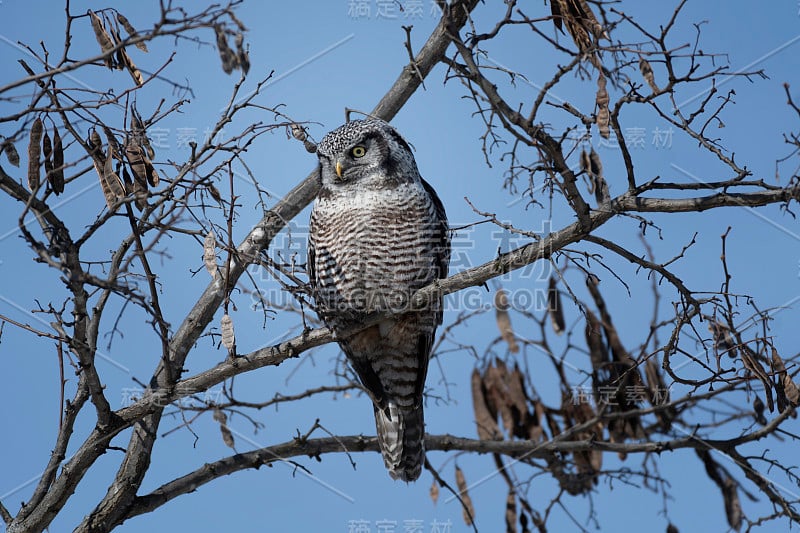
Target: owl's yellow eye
column 358, row 151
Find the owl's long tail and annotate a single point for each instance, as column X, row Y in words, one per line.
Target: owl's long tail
column 401, row 431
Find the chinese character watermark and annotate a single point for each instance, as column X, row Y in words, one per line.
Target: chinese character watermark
column 391, row 9
column 615, row 394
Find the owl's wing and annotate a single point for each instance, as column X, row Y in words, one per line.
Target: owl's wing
column 441, row 238
column 312, row 256
column 441, row 242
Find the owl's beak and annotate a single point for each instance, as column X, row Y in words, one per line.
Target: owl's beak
column 339, row 168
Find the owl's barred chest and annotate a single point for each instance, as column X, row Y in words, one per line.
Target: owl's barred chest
column 374, row 242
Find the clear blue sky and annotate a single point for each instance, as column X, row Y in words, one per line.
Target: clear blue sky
column 326, row 57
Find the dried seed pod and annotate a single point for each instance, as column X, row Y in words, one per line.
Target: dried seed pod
column 723, row 341
column 727, row 485
column 556, row 9
column 554, row 308
column 56, row 177
column 141, row 145
column 595, row 165
column 140, row 133
column 434, row 492
column 594, row 25
column 112, row 141
column 119, row 57
column 95, row 146
column 751, row 362
column 594, row 341
column 140, row 192
column 124, row 60
column 524, row 421
column 229, row 59
column 299, row 132
column 34, row 151
column 486, row 422
column 586, row 166
column 214, row 192
column 135, row 157
column 495, row 383
column 125, row 23
column 588, row 462
column 113, row 188
column 241, row 53
column 228, row 336
column 11, row 152
column 152, row 174
column 511, row 512
column 210, row 253
column 601, row 192
column 103, row 38
column 95, row 143
column 601, row 100
column 126, row 179
column 647, row 73
column 618, row 351
column 47, row 152
column 468, row 510
column 786, row 389
column 564, row 12
column 222, row 419
column 733, row 506
column 580, row 21
column 143, row 170
column 130, row 66
column 504, row 320
column 758, row 409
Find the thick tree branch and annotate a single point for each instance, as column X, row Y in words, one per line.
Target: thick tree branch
column 629, row 202
column 521, row 450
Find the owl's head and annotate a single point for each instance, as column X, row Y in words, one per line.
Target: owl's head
column 365, row 152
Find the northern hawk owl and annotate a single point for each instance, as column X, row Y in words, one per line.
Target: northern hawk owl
column 378, row 233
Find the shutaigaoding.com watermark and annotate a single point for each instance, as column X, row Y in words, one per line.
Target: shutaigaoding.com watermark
column 399, row 526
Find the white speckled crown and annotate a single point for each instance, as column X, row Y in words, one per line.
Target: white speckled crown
column 345, row 135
